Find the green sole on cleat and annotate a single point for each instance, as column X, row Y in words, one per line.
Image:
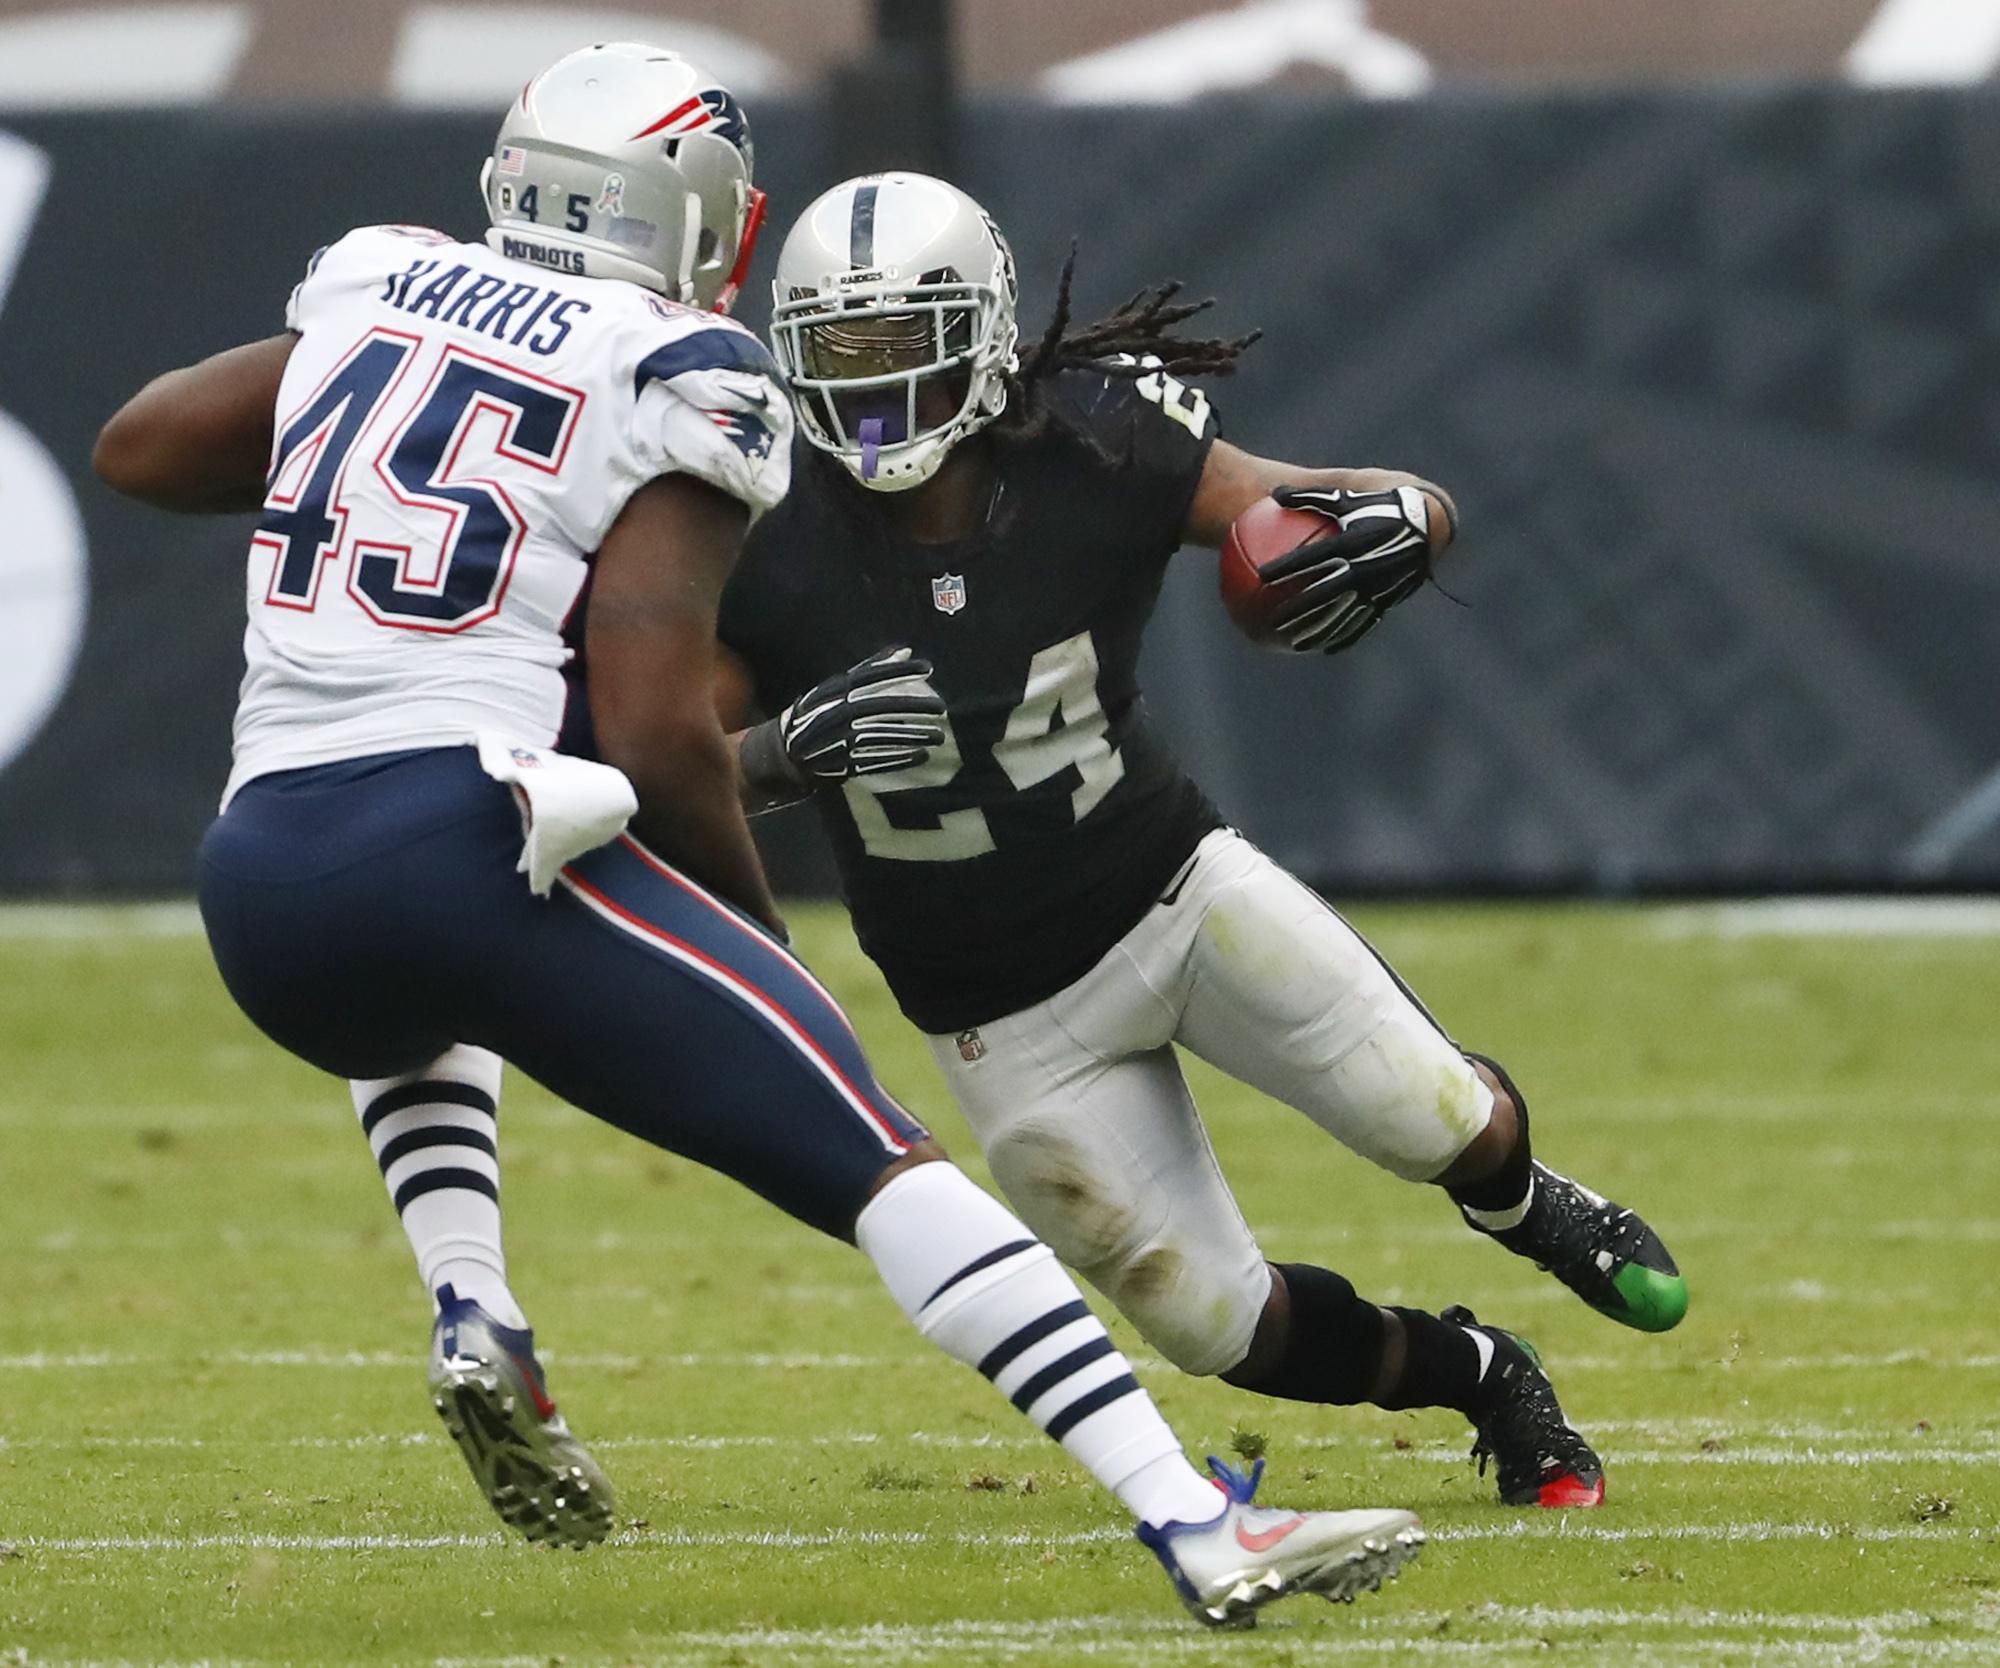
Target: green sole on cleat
column 1654, row 1302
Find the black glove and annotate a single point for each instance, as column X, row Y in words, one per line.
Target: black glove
column 1381, row 554
column 880, row 715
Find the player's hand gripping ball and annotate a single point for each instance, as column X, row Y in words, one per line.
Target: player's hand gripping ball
column 1313, row 570
column 1257, row 540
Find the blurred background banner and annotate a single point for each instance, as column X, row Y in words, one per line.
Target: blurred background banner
column 1703, row 334
column 440, row 53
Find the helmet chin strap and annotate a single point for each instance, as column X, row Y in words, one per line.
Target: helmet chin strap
column 753, row 223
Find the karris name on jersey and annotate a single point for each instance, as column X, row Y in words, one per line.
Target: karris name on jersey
column 455, row 294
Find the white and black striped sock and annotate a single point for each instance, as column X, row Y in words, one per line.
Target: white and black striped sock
column 988, row 1293
column 434, row 1135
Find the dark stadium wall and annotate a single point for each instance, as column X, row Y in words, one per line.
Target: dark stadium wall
column 1712, row 375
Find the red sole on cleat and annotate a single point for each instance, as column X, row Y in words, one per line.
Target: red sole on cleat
column 1570, row 1494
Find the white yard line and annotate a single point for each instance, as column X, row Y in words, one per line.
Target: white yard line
column 777, row 1539
column 1697, row 1427
column 1809, row 1452
column 348, row 1360
column 523, row 1113
column 1378, row 1632
column 1552, row 1526
column 1964, row 1230
column 1319, row 1640
column 808, row 1360
column 1559, row 1526
column 1619, row 1454
column 1865, row 917
column 1688, row 1618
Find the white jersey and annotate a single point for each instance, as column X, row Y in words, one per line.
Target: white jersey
column 455, row 435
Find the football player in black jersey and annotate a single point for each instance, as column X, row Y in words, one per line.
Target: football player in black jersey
column 1053, row 902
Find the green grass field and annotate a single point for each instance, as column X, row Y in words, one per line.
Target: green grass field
column 215, row 1444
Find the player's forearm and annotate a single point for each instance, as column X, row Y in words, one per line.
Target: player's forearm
column 766, row 777
column 198, row 440
column 144, row 457
column 1232, row 480
column 689, row 814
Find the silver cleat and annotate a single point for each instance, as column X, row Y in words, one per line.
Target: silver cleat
column 488, row 1389
column 1230, row 1567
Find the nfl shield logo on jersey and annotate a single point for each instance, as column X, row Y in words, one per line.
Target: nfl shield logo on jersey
column 948, row 593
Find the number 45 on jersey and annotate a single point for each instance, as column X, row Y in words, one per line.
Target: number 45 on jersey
column 444, row 563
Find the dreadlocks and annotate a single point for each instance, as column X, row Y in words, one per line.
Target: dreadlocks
column 1135, row 341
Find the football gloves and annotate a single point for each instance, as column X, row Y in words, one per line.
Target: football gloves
column 1380, row 555
column 880, row 715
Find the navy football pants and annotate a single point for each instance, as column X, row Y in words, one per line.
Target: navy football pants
column 367, row 915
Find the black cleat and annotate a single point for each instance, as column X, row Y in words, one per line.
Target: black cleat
column 1540, row 1458
column 1603, row 1252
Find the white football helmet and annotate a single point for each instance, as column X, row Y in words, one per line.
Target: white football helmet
column 893, row 321
column 627, row 161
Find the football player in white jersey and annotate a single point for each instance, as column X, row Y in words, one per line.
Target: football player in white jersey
column 500, row 488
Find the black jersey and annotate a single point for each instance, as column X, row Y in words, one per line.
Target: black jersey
column 1002, row 869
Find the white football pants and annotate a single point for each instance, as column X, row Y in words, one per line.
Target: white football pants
column 1087, row 1122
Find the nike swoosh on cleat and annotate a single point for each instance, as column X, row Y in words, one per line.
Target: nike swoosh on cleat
column 1265, row 1539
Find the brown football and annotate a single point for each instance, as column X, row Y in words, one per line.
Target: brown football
column 1256, row 539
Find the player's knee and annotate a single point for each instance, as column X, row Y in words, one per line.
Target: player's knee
column 1196, row 1305
column 1508, row 1101
column 926, row 1151
column 1199, row 1322
column 1505, row 1130
column 1509, row 1123
column 1405, row 1100
column 1088, row 1206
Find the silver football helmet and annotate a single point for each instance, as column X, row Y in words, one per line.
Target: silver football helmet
column 627, row 161
column 893, row 321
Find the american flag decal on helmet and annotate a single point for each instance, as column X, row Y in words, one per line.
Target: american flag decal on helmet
column 513, row 160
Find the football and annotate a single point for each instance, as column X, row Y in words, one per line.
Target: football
column 1257, row 538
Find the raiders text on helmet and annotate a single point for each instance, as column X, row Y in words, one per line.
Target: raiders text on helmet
column 893, row 320
column 627, row 161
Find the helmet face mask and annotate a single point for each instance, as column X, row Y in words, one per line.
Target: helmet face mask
column 627, row 161
column 896, row 340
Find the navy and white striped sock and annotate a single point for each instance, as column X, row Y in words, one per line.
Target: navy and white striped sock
column 988, row 1293
column 434, row 1135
